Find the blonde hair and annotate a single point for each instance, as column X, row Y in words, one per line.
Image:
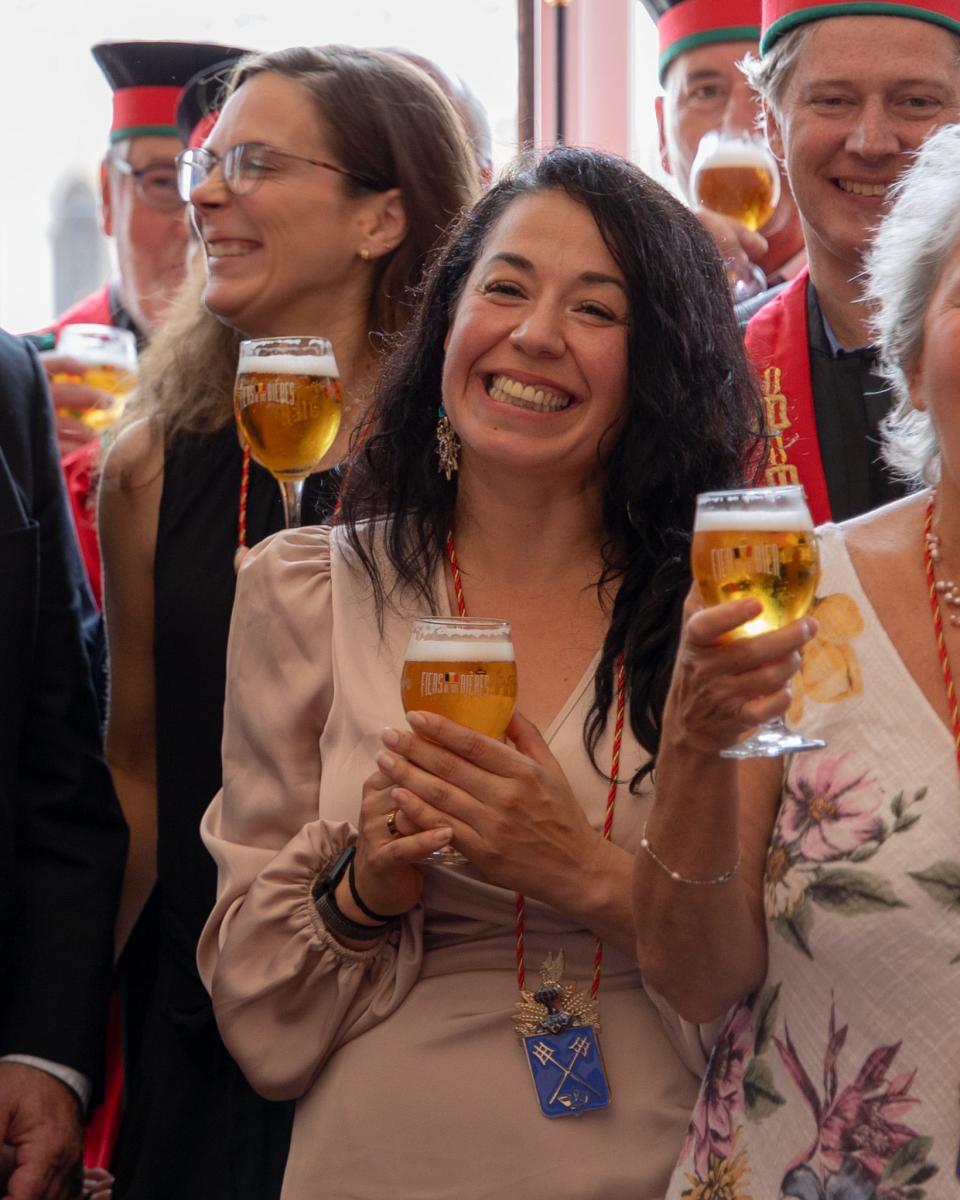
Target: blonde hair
column 186, row 373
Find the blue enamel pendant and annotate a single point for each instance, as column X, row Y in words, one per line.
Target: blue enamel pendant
column 567, row 1071
column 558, row 1027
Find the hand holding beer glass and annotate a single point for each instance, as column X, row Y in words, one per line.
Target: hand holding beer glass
column 108, row 360
column 287, row 404
column 738, row 177
column 463, row 670
column 758, row 543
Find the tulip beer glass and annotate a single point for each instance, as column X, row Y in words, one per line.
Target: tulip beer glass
column 109, row 359
column 758, row 543
column 738, row 177
column 287, row 404
column 464, row 670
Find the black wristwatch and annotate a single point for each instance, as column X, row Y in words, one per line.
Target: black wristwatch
column 326, row 904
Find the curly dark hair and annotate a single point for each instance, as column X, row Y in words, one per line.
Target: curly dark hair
column 691, row 423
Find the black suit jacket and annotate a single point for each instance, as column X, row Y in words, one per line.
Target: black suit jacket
column 62, row 838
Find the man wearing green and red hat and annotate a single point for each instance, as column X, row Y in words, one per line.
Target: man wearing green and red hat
column 851, row 89
column 701, row 43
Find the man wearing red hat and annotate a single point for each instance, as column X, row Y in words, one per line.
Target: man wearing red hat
column 142, row 212
column 701, row 43
column 850, row 91
column 140, row 206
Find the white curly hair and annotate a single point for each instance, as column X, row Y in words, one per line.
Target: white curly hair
column 902, row 269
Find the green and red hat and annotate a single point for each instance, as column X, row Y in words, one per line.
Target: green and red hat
column 685, row 24
column 147, row 78
column 780, row 16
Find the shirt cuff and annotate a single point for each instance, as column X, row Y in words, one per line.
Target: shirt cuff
column 74, row 1080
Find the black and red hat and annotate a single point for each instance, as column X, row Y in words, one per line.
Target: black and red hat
column 147, row 79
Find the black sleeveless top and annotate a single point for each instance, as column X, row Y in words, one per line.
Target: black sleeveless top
column 194, row 584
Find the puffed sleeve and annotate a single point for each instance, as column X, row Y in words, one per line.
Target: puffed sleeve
column 285, row 993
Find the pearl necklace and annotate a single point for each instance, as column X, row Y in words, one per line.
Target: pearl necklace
column 948, row 591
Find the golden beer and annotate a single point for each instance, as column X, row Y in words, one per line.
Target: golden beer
column 118, row 381
column 771, row 557
column 742, row 192
column 463, row 670
column 109, row 360
column 480, row 695
column 288, row 409
column 737, row 176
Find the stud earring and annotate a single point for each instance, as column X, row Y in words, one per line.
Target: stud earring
column 365, row 254
column 448, row 445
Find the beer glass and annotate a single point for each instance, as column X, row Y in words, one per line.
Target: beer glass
column 758, row 543
column 109, row 358
column 464, row 670
column 737, row 176
column 287, row 404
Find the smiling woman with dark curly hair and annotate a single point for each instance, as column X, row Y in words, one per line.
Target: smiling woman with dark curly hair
column 577, row 339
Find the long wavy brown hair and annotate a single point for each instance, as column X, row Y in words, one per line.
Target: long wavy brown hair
column 388, row 123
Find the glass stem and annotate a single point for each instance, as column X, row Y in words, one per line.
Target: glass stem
column 292, row 492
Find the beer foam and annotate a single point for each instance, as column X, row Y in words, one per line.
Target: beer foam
column 768, row 521
column 464, row 649
column 288, row 364
column 737, row 154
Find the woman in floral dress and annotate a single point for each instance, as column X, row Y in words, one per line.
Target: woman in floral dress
column 817, row 901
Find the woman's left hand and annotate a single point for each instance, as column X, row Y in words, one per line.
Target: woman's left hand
column 511, row 809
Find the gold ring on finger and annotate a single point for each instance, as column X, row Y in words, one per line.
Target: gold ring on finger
column 392, row 823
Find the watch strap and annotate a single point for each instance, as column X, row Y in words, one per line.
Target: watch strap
column 341, row 925
column 325, row 901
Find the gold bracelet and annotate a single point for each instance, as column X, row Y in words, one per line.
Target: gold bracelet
column 676, row 876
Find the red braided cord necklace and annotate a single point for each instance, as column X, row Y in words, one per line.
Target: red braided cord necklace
column 244, row 490
column 611, row 794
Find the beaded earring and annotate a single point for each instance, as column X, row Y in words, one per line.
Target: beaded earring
column 448, row 445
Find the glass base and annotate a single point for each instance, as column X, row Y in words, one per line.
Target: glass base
column 446, row 856
column 772, row 742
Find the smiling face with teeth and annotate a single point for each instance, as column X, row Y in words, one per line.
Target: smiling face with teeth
column 282, row 259
column 535, row 371
column 864, row 94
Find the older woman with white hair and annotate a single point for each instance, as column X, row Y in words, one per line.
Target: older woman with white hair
column 818, row 902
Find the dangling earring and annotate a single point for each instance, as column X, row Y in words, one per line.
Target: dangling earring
column 448, row 445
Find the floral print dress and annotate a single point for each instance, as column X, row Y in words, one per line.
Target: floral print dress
column 839, row 1079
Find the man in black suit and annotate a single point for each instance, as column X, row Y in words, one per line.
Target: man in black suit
column 62, row 838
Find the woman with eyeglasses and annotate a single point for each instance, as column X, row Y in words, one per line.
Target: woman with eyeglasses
column 326, row 182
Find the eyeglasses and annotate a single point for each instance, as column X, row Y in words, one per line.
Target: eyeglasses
column 245, row 166
column 156, row 184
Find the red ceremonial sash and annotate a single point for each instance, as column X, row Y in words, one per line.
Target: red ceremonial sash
column 778, row 344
